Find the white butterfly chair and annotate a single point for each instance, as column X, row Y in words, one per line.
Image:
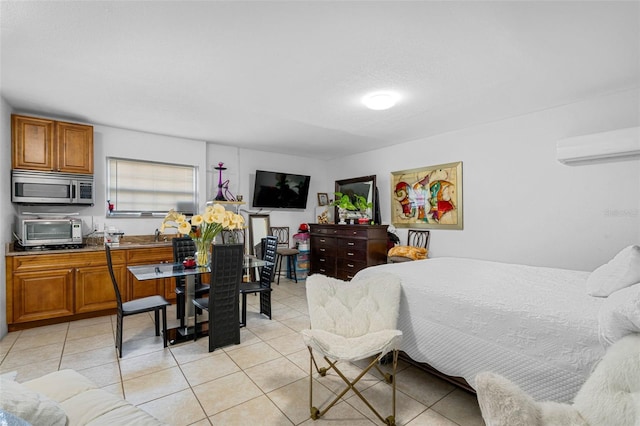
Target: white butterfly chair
column 351, row 321
column 610, row 396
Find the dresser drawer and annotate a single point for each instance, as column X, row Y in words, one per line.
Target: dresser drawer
column 354, row 231
column 323, row 265
column 352, row 243
column 323, row 241
column 347, row 268
column 350, row 253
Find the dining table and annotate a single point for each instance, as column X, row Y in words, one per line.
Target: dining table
column 173, row 270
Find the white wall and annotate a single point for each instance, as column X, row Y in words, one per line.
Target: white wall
column 241, row 167
column 520, row 204
column 6, row 208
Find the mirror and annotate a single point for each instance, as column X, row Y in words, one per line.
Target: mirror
column 364, row 186
column 258, row 229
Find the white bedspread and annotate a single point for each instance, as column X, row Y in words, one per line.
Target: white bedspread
column 536, row 326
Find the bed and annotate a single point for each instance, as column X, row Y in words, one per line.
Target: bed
column 536, row 326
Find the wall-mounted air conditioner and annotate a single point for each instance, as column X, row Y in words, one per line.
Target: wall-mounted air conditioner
column 599, row 147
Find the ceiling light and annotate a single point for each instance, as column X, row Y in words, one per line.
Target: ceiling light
column 380, row 100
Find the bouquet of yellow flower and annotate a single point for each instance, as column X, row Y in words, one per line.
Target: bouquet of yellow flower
column 203, row 228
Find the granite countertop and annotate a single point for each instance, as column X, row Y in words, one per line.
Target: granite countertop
column 126, row 243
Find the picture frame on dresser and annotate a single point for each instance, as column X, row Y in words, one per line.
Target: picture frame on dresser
column 428, row 197
column 323, row 199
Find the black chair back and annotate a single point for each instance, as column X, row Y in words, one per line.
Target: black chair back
column 183, row 247
column 418, row 238
column 266, row 274
column 282, row 234
column 226, row 274
column 113, row 277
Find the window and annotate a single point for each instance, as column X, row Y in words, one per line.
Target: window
column 145, row 188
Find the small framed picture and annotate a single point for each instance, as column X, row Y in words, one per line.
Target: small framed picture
column 323, row 198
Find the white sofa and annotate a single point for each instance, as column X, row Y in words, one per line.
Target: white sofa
column 66, row 397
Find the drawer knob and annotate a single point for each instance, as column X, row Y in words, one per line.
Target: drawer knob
column 322, row 260
column 323, row 249
column 349, row 265
column 322, row 240
column 351, row 243
column 349, row 254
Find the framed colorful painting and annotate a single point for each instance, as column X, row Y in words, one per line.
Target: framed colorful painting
column 427, row 197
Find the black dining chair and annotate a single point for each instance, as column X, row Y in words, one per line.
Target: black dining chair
column 183, row 247
column 222, row 304
column 263, row 286
column 284, row 251
column 155, row 303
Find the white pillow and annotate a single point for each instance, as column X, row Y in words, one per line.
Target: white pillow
column 620, row 272
column 29, row 405
column 619, row 315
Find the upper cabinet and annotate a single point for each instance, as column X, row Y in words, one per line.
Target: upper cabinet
column 47, row 145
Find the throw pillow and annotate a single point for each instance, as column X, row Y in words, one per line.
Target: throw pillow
column 415, row 253
column 620, row 272
column 619, row 315
column 31, row 406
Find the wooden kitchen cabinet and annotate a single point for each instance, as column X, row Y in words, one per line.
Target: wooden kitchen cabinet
column 50, row 287
column 42, row 295
column 137, row 289
column 48, row 145
column 340, row 251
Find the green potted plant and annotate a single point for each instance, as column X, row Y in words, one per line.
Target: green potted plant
column 343, row 203
column 362, row 204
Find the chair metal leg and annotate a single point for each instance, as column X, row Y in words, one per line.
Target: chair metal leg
column 292, row 266
column 316, row 413
column 119, row 335
column 279, row 268
column 243, row 317
column 156, row 314
column 164, row 326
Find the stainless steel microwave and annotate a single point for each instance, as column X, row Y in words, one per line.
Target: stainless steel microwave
column 29, row 187
column 42, row 232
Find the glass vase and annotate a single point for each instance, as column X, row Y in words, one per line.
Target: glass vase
column 203, row 253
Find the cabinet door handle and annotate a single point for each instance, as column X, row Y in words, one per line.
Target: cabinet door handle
column 349, row 265
column 351, row 243
column 323, row 270
column 349, row 254
column 322, row 260
column 322, row 240
column 322, row 249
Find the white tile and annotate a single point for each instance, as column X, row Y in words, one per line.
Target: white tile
column 258, row 411
column 177, row 409
column 226, row 392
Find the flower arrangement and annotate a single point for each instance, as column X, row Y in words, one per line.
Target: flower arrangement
column 203, row 228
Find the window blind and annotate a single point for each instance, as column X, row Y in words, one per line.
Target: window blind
column 143, row 187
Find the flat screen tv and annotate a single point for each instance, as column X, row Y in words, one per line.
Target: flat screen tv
column 277, row 190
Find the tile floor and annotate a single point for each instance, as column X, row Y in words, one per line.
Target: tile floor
column 262, row 381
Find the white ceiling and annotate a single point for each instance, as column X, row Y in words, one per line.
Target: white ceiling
column 288, row 76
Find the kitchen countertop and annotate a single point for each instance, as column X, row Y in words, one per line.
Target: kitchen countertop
column 131, row 242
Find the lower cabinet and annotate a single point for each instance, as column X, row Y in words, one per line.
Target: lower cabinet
column 40, row 289
column 94, row 291
column 42, row 294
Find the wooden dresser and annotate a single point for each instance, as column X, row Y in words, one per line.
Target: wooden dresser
column 340, row 251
